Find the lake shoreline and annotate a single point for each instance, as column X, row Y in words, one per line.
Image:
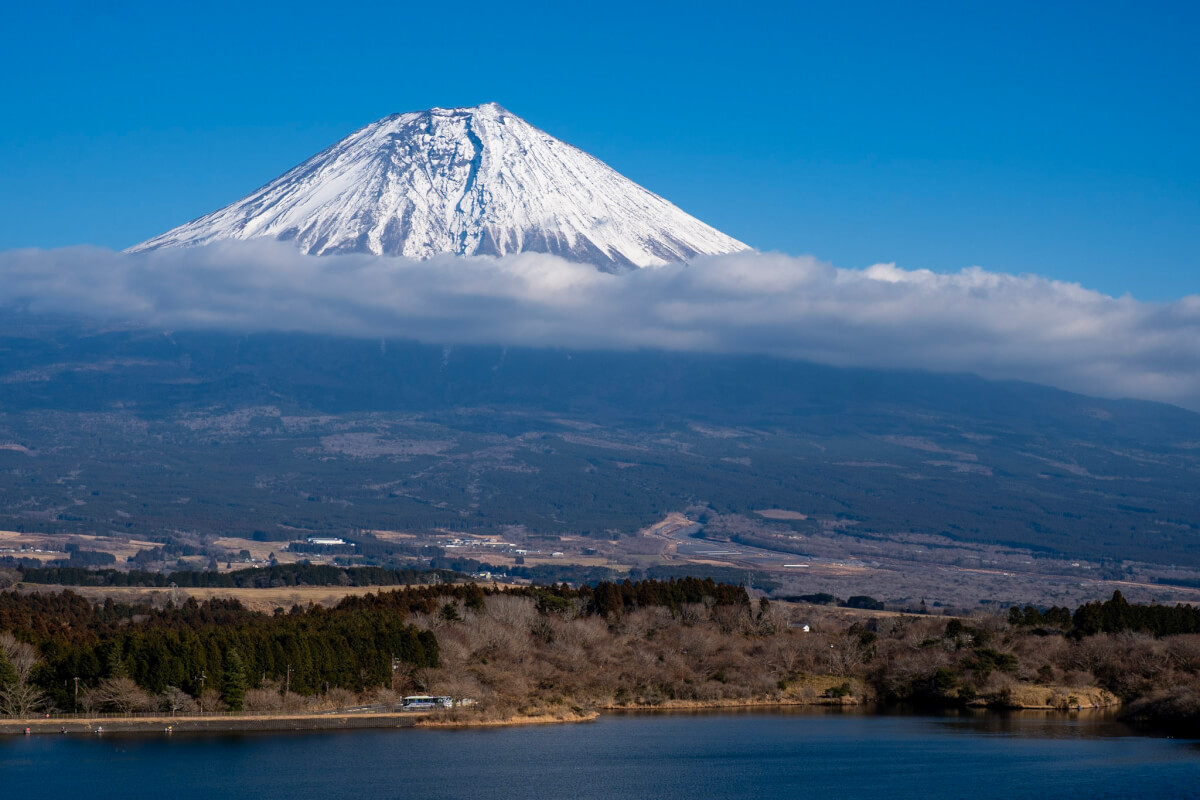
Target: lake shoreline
column 444, row 720
column 223, row 724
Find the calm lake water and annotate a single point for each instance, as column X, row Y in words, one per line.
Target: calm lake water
column 758, row 755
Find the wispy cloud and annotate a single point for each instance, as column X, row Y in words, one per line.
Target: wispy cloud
column 997, row 325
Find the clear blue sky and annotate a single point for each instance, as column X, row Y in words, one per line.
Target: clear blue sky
column 1055, row 138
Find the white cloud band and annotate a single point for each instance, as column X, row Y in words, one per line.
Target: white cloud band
column 1000, row 326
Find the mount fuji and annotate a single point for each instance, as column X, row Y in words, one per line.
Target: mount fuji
column 464, row 181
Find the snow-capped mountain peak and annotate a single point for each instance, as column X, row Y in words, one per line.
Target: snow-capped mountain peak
column 467, row 181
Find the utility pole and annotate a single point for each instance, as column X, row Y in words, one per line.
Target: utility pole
column 287, row 682
column 77, row 694
column 201, row 679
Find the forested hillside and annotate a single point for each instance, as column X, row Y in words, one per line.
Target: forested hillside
column 270, row 435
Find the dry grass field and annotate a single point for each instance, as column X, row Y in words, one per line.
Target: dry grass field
column 52, row 546
column 265, row 600
column 779, row 513
column 259, row 551
column 392, row 536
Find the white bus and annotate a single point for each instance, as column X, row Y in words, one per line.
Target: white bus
column 427, row 702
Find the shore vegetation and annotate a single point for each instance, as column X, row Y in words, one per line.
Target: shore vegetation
column 562, row 652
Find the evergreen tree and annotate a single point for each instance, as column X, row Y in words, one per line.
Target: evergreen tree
column 115, row 664
column 8, row 673
column 233, row 684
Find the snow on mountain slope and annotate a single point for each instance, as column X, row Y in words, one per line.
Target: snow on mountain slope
column 468, row 181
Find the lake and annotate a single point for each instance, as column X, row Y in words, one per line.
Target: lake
column 801, row 754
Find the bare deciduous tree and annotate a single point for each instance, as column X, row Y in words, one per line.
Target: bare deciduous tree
column 175, row 701
column 518, row 613
column 122, row 695
column 210, row 701
column 1185, row 652
column 262, row 701
column 784, row 657
column 337, row 698
column 22, row 656
column 728, row 619
column 22, row 698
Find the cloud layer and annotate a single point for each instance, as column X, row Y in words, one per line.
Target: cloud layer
column 996, row 325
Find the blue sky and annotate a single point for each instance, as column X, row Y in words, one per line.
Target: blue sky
column 1058, row 139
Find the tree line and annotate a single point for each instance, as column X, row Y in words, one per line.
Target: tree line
column 215, row 650
column 275, row 576
column 607, row 599
column 1115, row 615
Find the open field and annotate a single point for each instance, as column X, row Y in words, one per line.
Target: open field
column 779, row 513
column 393, row 536
column 259, row 551
column 265, row 600
column 52, row 547
column 534, row 559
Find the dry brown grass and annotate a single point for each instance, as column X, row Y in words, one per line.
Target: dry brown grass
column 259, row 551
column 119, row 548
column 470, row 719
column 533, row 559
column 779, row 513
column 1060, row 697
column 264, row 600
column 673, row 522
column 393, row 536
